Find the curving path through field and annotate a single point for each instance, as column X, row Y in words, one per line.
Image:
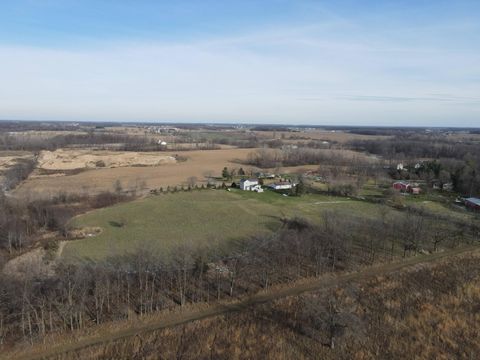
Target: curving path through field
column 219, row 309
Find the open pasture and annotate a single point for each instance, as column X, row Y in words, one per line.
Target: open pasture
column 209, row 218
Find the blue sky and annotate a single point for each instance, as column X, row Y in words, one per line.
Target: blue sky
column 270, row 61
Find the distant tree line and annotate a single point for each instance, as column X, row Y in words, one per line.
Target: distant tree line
column 418, row 146
column 267, row 158
column 452, row 161
column 29, row 142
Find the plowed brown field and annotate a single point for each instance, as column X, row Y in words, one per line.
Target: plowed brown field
column 198, row 163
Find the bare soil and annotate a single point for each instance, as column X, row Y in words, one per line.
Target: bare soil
column 10, row 158
column 67, row 159
column 200, row 164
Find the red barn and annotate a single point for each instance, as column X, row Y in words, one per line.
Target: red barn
column 401, row 186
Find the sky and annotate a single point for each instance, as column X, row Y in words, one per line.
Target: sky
column 380, row 63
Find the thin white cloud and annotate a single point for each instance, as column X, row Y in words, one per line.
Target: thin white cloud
column 264, row 77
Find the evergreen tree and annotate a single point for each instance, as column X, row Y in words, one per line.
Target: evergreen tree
column 225, row 173
column 300, row 188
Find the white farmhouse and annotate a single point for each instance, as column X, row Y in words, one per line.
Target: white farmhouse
column 249, row 184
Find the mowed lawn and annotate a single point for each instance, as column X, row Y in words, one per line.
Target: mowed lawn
column 215, row 218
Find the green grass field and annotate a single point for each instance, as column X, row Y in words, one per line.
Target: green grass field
column 215, row 219
column 197, row 219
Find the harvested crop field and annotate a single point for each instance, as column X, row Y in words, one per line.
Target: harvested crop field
column 337, row 136
column 66, row 159
column 197, row 164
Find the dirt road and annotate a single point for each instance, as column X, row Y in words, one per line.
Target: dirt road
column 215, row 310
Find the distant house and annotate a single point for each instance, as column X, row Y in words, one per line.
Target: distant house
column 401, row 186
column 447, row 187
column 249, row 184
column 281, row 186
column 265, row 175
column 473, row 203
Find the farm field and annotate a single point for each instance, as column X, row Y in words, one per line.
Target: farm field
column 197, row 164
column 214, row 218
column 66, row 159
column 130, row 168
column 211, row 219
column 337, row 136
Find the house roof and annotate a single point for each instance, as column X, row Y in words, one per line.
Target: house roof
column 473, row 200
column 251, row 180
column 402, row 182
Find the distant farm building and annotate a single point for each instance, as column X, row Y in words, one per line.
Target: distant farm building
column 401, row 186
column 281, row 186
column 250, row 185
column 414, row 190
column 436, row 185
column 262, row 175
column 473, row 203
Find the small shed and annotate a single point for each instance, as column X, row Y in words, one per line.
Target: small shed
column 415, row 190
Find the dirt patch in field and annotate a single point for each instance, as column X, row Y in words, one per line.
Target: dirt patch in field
column 10, row 158
column 66, row 159
column 84, row 232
